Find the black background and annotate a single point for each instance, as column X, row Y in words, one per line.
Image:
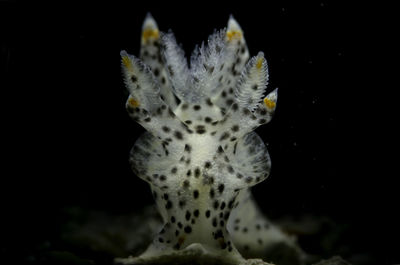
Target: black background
column 67, row 135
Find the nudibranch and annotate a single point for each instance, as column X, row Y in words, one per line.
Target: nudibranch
column 200, row 153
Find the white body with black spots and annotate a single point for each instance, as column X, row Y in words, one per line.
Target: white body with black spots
column 201, row 156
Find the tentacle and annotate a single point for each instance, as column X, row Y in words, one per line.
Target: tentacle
column 150, row 54
column 208, row 64
column 235, row 41
column 252, row 82
column 177, row 68
column 146, row 106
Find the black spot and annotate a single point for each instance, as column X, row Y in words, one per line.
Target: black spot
column 195, row 194
column 249, row 179
column 229, row 102
column 197, row 172
column 188, row 148
column 177, row 246
column 262, row 121
column 200, row 129
column 246, row 111
column 209, row 102
column 163, row 80
column 245, row 230
column 212, row 193
column 239, row 176
column 254, row 87
column 235, row 106
column 226, row 215
column 168, row 205
column 234, row 148
column 196, row 213
column 223, row 94
column 166, row 129
column 230, row 204
column 133, row 78
column 180, row 225
column 188, row 229
column 196, row 107
column 166, row 196
column 258, row 227
column 216, row 204
column 161, row 239
column 207, row 164
column 214, row 222
column 224, row 136
column 220, row 150
column 230, row 169
column 214, row 123
column 235, row 128
column 156, row 72
column 174, row 170
column 171, row 113
column 221, row 223
column 173, row 219
column 221, row 187
column 208, row 213
column 185, row 106
column 178, row 135
column 218, row 234
column 186, row 184
column 187, row 215
column 222, row 206
column 148, row 119
column 233, row 139
column 188, row 173
column 163, row 177
column 207, row 119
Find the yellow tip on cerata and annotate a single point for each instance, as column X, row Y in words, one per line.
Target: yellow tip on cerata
column 127, row 62
column 269, row 103
column 133, row 102
column 150, row 33
column 233, row 34
column 259, row 63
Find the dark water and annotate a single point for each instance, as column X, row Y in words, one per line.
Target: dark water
column 68, row 135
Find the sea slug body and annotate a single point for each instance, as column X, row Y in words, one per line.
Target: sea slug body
column 200, row 153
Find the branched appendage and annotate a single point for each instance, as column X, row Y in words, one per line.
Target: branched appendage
column 202, row 155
